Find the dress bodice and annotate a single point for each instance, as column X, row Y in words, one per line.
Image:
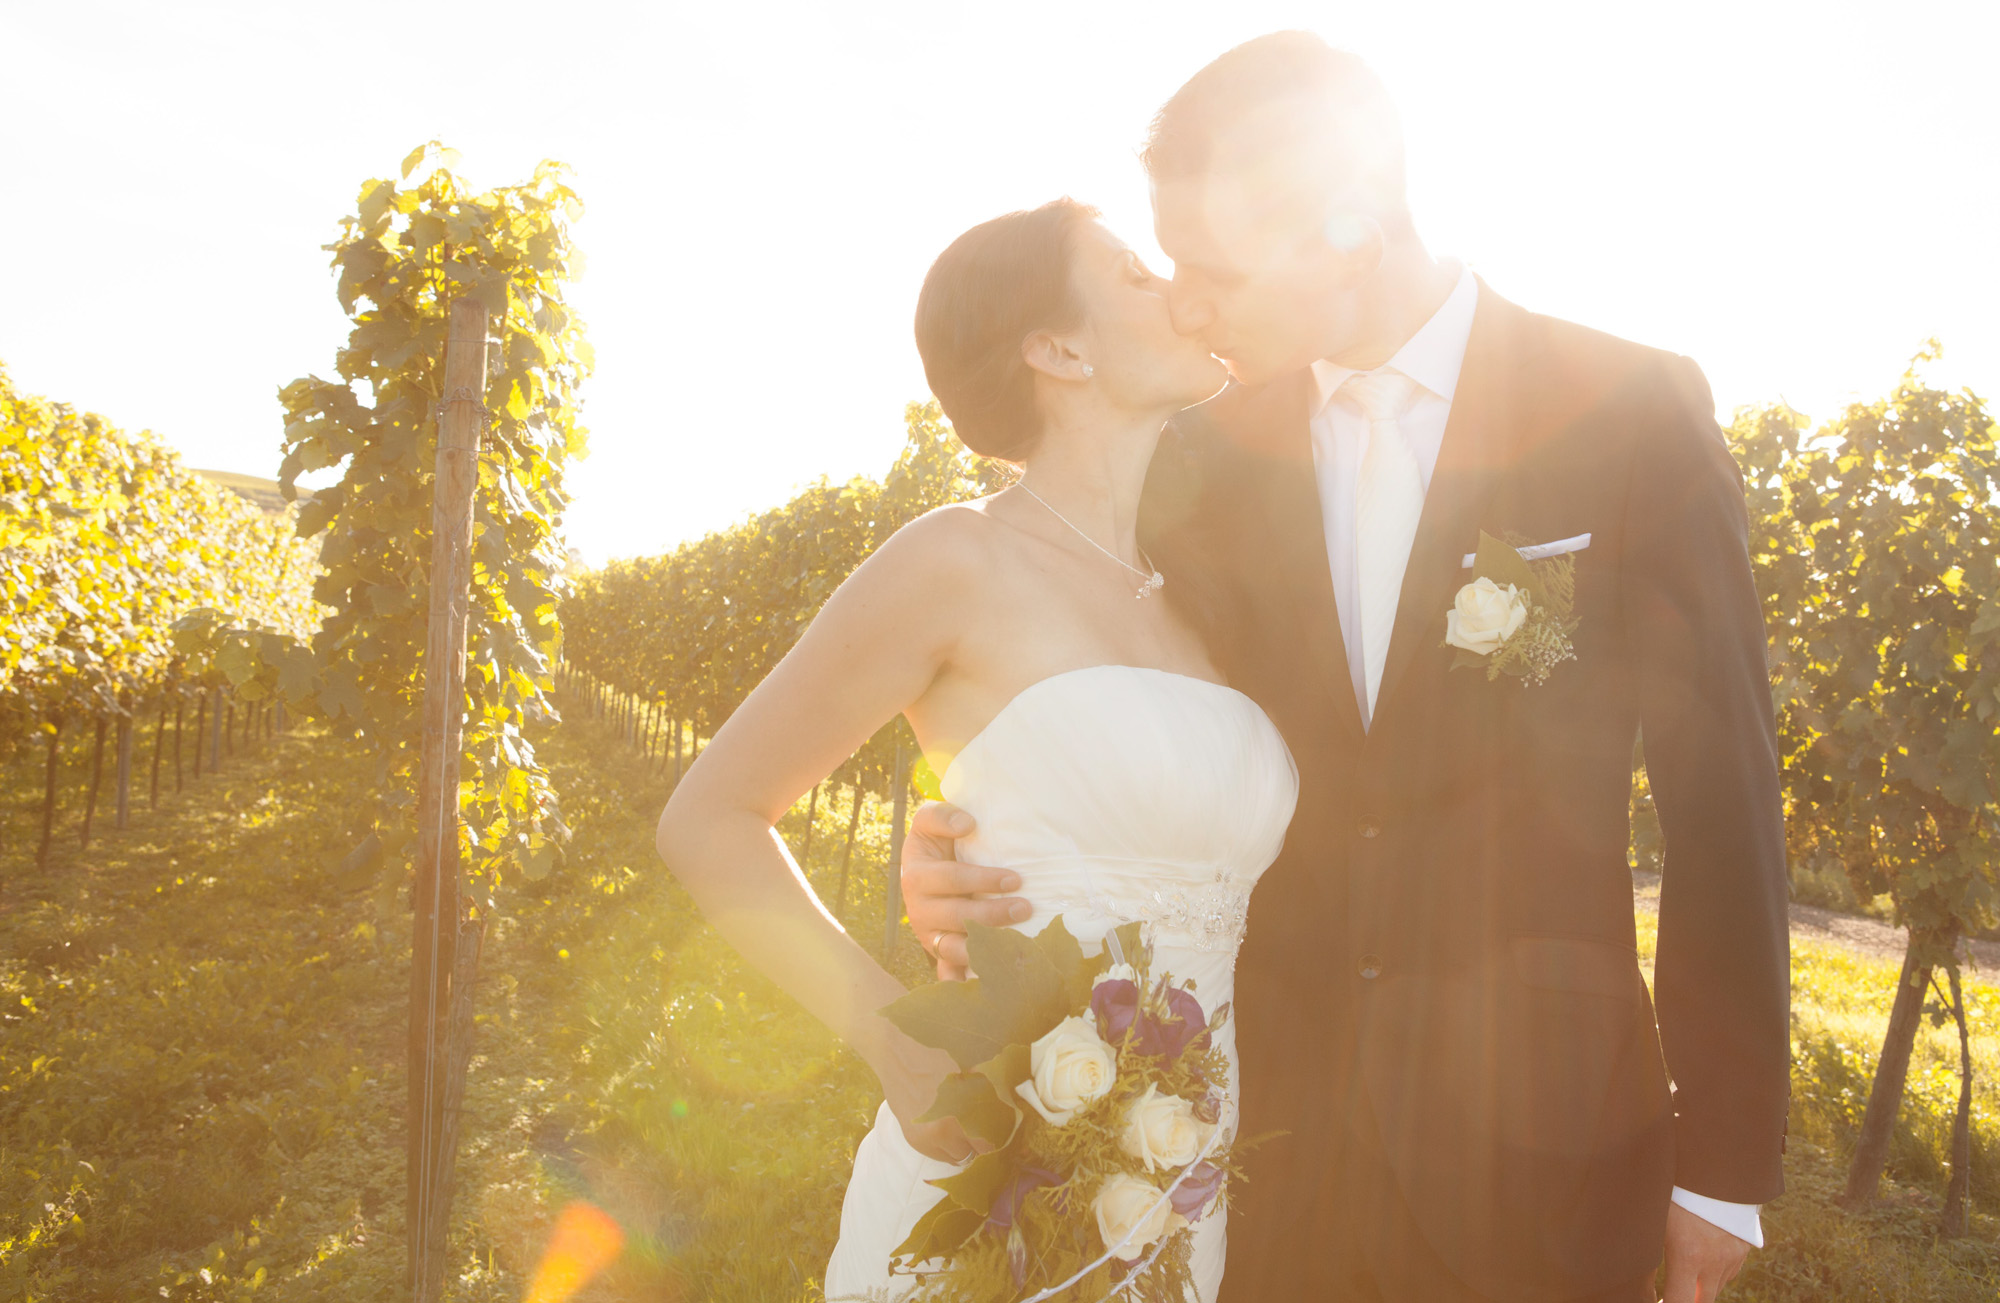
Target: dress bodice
column 1119, row 794
column 1122, row 793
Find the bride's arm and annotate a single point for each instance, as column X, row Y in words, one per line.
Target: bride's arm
column 872, row 651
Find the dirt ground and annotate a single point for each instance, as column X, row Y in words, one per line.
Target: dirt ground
column 1867, row 936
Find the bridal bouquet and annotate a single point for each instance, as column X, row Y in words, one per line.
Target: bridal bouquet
column 1100, row 1089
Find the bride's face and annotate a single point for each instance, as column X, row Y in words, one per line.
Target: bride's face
column 1139, row 359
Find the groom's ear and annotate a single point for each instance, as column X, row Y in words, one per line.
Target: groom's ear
column 1052, row 355
column 1357, row 242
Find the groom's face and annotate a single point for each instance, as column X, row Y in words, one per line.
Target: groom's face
column 1264, row 290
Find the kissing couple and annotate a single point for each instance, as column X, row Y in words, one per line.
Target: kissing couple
column 1315, row 638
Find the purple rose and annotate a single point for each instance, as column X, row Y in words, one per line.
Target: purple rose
column 1115, row 1001
column 1196, row 1191
column 1119, row 1009
column 1182, row 1025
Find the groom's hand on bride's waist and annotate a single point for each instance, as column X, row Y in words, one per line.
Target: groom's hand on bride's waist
column 942, row 895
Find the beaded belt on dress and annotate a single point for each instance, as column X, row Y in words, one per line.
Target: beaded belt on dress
column 1211, row 913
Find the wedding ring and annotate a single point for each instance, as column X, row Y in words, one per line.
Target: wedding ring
column 937, row 942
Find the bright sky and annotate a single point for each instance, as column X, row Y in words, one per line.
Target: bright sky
column 1795, row 194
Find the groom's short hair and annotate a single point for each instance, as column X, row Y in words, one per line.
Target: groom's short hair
column 1285, row 95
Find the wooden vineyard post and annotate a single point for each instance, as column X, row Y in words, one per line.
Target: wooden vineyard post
column 446, row 951
column 49, row 790
column 847, row 854
column 96, row 781
column 892, row 913
column 159, row 737
column 124, row 770
column 215, row 732
column 1885, row 1096
column 1953, row 1221
column 806, row 842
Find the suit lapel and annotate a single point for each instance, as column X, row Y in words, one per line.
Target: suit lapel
column 1478, row 443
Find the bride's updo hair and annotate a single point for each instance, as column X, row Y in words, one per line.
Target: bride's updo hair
column 997, row 284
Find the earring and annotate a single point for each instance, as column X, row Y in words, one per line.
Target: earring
column 1088, row 370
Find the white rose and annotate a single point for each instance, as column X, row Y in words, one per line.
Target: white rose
column 1069, row 1067
column 1484, row 616
column 1127, row 1205
column 1163, row 1130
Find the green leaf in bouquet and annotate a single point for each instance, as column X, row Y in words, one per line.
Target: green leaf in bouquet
column 974, row 1188
column 958, row 1216
column 1022, row 979
column 1467, row 660
column 970, row 1098
column 1504, row 564
column 1025, row 986
column 1008, row 1069
column 955, row 1017
column 1064, row 952
column 939, row 1232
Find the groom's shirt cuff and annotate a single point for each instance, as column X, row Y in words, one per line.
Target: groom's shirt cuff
column 1740, row 1219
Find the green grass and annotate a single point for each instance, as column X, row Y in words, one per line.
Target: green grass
column 199, row 1051
column 201, row 1056
column 201, row 1039
column 1814, row 1250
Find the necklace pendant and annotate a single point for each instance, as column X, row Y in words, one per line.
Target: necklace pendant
column 1152, row 585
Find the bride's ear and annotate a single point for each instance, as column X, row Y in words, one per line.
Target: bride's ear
column 1055, row 355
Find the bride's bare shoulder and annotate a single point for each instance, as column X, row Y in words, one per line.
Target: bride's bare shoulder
column 952, row 544
column 929, row 581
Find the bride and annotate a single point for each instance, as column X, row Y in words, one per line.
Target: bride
column 1067, row 699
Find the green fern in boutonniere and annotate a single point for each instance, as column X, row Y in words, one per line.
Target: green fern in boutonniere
column 1516, row 616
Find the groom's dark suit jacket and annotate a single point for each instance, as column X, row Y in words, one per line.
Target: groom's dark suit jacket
column 1441, row 965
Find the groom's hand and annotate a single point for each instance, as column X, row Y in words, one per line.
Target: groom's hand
column 938, row 891
column 1701, row 1258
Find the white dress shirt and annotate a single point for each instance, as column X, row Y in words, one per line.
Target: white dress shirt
column 1432, row 357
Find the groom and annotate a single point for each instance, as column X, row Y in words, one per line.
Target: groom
column 1439, row 1000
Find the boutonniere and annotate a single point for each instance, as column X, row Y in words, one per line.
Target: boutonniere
column 1515, row 617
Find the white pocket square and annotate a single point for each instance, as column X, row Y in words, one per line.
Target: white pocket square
column 1542, row 551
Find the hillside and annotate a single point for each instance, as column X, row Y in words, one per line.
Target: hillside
column 264, row 492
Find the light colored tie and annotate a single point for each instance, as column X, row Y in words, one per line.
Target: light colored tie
column 1388, row 501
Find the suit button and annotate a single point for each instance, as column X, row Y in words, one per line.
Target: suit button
column 1369, row 830
column 1371, row 967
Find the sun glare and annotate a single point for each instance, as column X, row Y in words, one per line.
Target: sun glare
column 586, row 1240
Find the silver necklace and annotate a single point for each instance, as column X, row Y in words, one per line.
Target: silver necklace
column 1149, row 583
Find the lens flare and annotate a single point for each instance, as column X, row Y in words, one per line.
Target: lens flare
column 586, row 1241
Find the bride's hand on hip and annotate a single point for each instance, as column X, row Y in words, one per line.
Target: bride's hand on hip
column 939, row 892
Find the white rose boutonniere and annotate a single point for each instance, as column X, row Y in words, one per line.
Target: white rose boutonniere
column 1514, row 618
column 1484, row 616
column 1068, row 1067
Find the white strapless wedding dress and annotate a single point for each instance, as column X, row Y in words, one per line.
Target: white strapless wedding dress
column 1118, row 794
